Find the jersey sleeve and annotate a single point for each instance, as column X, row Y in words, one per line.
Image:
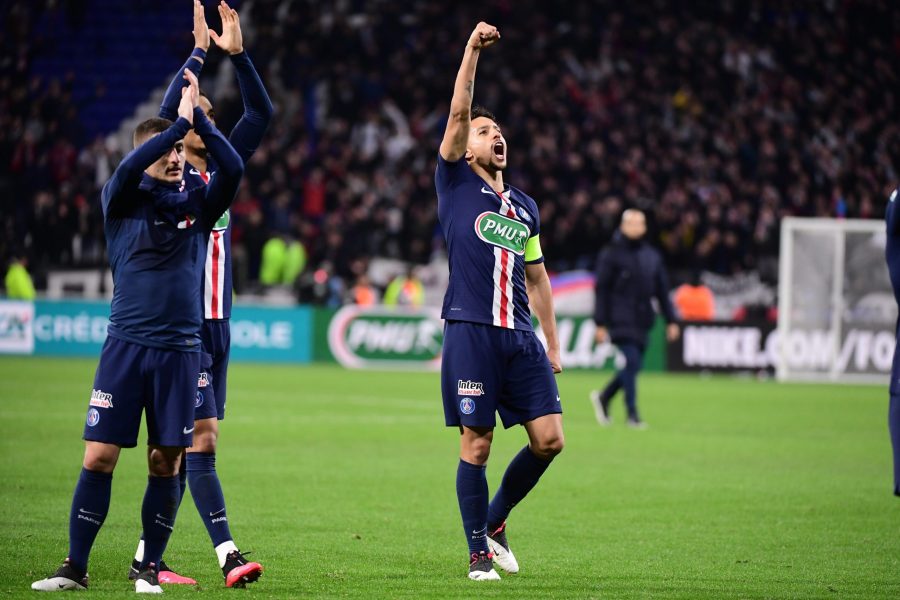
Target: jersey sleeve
column 130, row 170
column 892, row 216
column 258, row 110
column 449, row 174
column 169, row 107
column 533, row 253
column 217, row 196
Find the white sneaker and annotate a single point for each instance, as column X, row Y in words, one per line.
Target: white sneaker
column 147, row 581
column 599, row 408
column 637, row 424
column 499, row 546
column 482, row 568
column 66, row 578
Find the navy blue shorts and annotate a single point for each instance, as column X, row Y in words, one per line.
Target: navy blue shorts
column 131, row 379
column 210, row 401
column 487, row 369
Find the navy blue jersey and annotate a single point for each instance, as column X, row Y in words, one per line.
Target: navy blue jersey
column 246, row 136
column 156, row 237
column 487, row 235
column 892, row 247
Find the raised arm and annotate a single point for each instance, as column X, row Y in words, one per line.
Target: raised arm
column 540, row 296
column 217, row 196
column 248, row 133
column 194, row 63
column 131, row 169
column 453, row 146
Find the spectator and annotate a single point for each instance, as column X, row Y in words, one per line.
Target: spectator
column 717, row 119
column 405, row 290
column 18, row 281
column 694, row 301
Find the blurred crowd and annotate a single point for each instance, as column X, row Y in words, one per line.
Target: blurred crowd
column 716, row 118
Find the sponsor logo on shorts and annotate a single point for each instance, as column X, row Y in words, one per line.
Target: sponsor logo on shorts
column 467, row 406
column 186, row 431
column 93, row 417
column 469, row 388
column 199, row 401
column 204, row 380
column 101, row 399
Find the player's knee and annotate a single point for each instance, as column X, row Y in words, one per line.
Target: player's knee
column 163, row 462
column 205, row 442
column 477, row 452
column 101, row 458
column 206, row 435
column 99, row 463
column 548, row 448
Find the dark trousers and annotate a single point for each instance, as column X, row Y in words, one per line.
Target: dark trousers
column 626, row 378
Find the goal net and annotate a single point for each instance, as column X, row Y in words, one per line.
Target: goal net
column 836, row 311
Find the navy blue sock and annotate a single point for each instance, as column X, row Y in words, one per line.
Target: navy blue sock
column 182, row 481
column 158, row 516
column 207, row 493
column 521, row 475
column 472, row 493
column 90, row 503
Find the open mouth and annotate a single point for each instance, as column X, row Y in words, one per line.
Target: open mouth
column 500, row 150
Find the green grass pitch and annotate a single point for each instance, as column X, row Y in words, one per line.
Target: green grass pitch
column 342, row 484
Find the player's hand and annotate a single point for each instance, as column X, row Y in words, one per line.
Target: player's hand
column 193, row 87
column 555, row 362
column 672, row 331
column 201, row 31
column 231, row 40
column 602, row 335
column 186, row 106
column 190, row 97
column 484, row 35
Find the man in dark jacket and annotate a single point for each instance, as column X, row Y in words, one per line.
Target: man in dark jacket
column 630, row 273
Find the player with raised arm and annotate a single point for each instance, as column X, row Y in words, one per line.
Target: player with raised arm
column 155, row 234
column 216, row 292
column 492, row 359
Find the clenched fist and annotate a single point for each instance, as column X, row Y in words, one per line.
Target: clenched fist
column 484, row 35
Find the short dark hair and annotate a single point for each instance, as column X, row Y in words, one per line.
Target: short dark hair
column 148, row 128
column 480, row 111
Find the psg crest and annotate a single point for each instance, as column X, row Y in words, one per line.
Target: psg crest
column 467, row 406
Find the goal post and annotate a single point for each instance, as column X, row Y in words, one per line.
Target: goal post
column 836, row 309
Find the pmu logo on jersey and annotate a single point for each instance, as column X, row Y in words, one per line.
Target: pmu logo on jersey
column 101, row 399
column 223, row 221
column 501, row 231
column 467, row 406
column 469, row 388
